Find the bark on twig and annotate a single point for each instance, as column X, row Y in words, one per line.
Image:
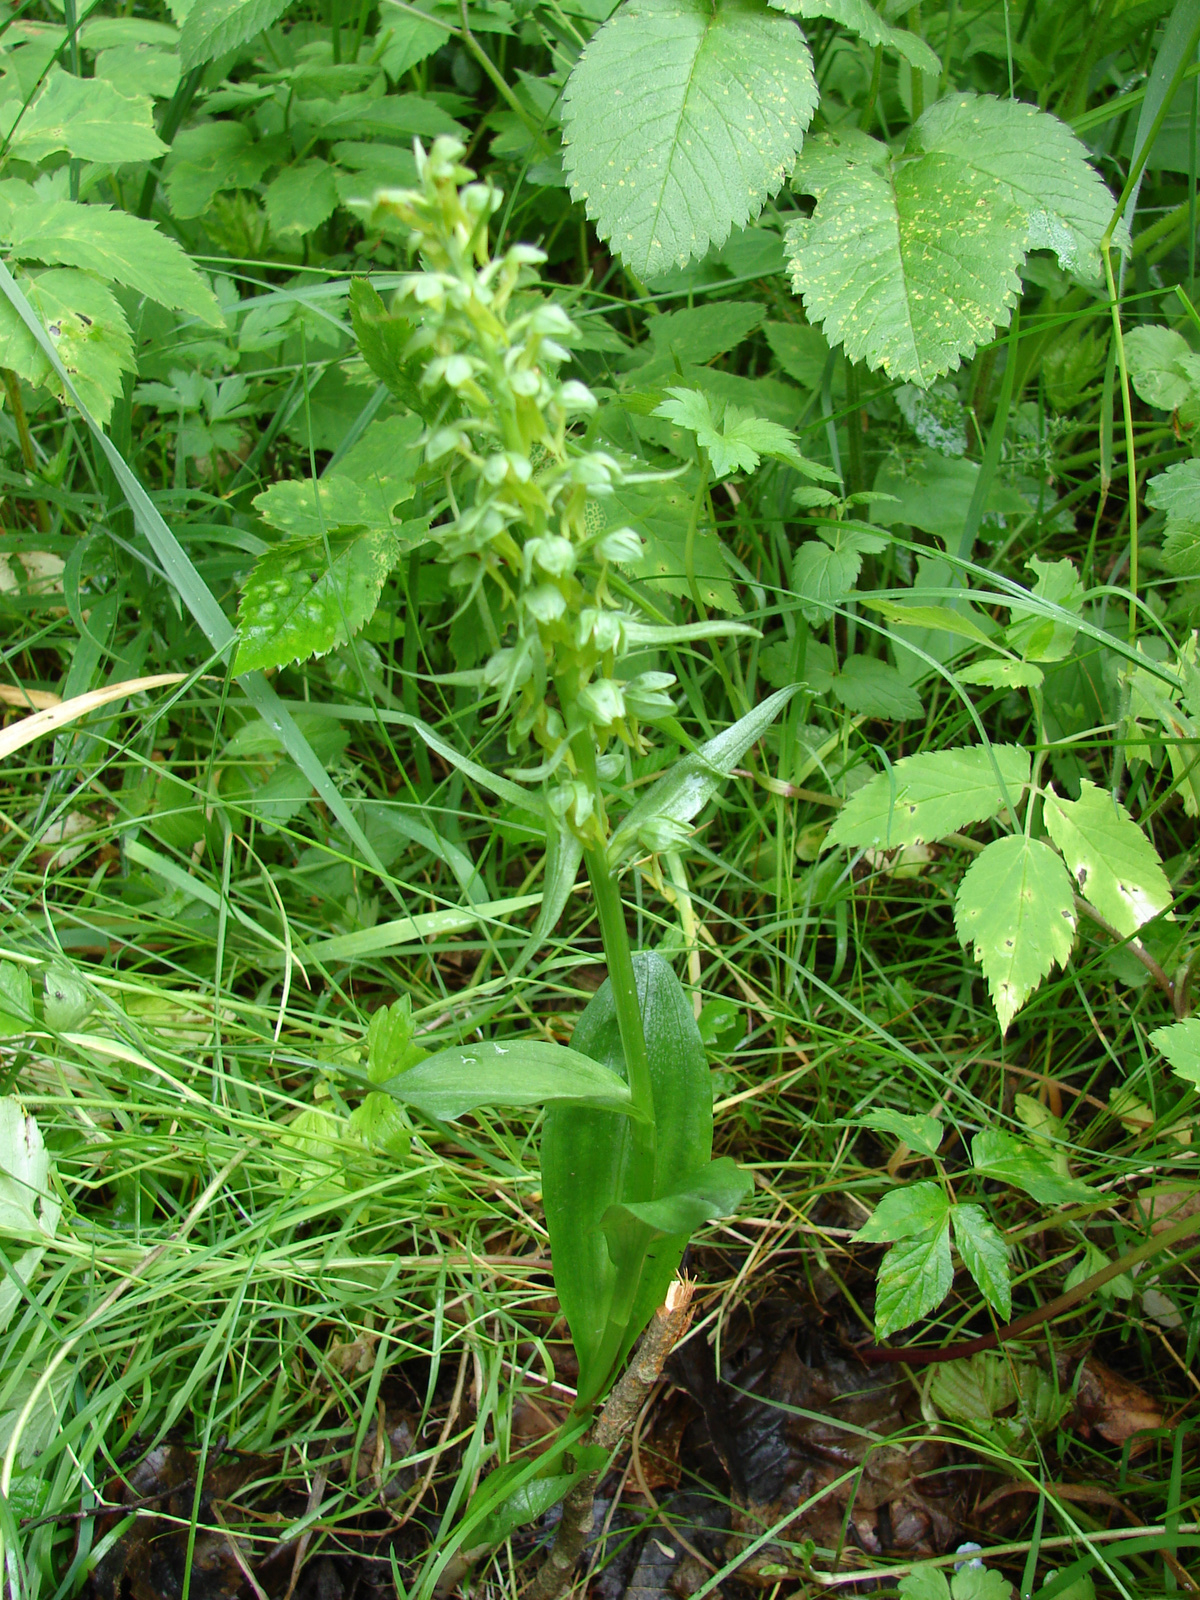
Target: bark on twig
column 613, row 1425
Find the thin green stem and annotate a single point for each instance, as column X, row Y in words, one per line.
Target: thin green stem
column 12, row 388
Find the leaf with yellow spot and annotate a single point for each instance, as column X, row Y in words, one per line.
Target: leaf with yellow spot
column 1117, row 868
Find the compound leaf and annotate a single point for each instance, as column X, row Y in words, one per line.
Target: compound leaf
column 996, row 1154
column 1113, row 862
column 88, row 329
column 1180, row 1043
column 904, row 1213
column 113, row 244
column 910, row 261
column 1016, row 906
column 87, row 118
column 985, row 1255
column 928, row 796
column 680, row 119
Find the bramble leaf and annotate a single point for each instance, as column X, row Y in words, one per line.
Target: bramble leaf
column 860, row 18
column 1116, row 867
column 910, row 260
column 904, row 1212
column 914, row 1276
column 88, row 329
column 1016, row 906
column 985, row 1255
column 920, row 1133
column 214, row 27
column 928, row 796
column 680, row 119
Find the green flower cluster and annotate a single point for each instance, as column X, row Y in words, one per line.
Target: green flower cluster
column 526, row 539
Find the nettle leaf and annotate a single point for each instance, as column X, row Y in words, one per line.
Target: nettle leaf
column 921, row 1133
column 302, row 197
column 928, row 796
column 214, row 27
column 1116, row 867
column 996, row 1154
column 903, row 1213
column 1153, row 355
column 914, row 1277
column 910, row 260
column 860, row 18
column 88, row 329
column 1016, row 906
column 680, row 119
column 1177, row 492
column 115, row 245
column 1180, row 1043
column 825, row 570
column 519, row 1072
column 87, row 118
column 302, row 601
column 985, row 1255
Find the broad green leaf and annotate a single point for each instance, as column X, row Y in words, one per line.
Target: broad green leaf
column 209, row 158
column 936, row 416
column 1032, row 633
column 928, row 796
column 65, row 999
column 1115, row 865
column 696, row 336
column 921, row 1133
column 680, row 119
column 87, row 118
column 925, row 1583
column 1094, row 1260
column 914, row 1277
column 410, row 39
column 305, row 508
column 941, row 618
column 301, row 198
column 585, row 1159
column 88, row 330
column 910, row 260
column 860, row 18
column 996, row 1154
column 985, row 1255
column 215, row 27
column 689, row 785
column 661, row 514
column 735, row 440
column 525, row 1504
column 1015, row 905
column 135, row 70
column 714, row 1190
column 935, row 492
column 1153, row 355
column 873, row 688
column 984, row 1583
column 1179, row 1042
column 974, row 1389
column 825, row 570
column 16, row 1000
column 1002, row 673
column 1177, row 492
column 519, row 1072
column 114, row 245
column 302, row 600
column 381, row 341
column 904, row 1212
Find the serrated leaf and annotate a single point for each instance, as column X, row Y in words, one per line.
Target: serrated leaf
column 305, row 508
column 214, row 27
column 1153, row 354
column 680, row 119
column 735, row 440
column 16, row 1000
column 910, row 261
column 985, row 1255
column 1177, row 492
column 996, row 1154
column 381, row 341
column 207, row 159
column 89, row 332
column 860, row 18
column 87, row 118
column 825, row 570
column 920, row 1133
column 126, row 249
column 903, row 1213
column 928, row 796
column 925, row 1583
column 914, row 1277
column 1116, row 867
column 873, row 688
column 1000, row 673
column 300, row 602
column 973, row 1388
column 1180, row 1043
column 301, row 197
column 1016, row 907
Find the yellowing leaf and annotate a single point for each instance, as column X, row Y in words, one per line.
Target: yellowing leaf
column 928, row 796
column 1116, row 867
column 1016, row 907
column 87, row 118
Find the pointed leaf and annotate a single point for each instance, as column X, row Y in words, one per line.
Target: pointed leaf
column 1116, row 867
column 714, row 1190
column 926, row 797
column 921, row 1133
column 1178, row 1041
column 16, row 1000
column 996, row 1154
column 864, row 20
column 87, row 327
column 87, row 118
column 1016, row 906
column 691, row 783
column 985, row 1255
column 680, row 119
column 214, row 27
column 914, row 1277
column 518, row 1072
